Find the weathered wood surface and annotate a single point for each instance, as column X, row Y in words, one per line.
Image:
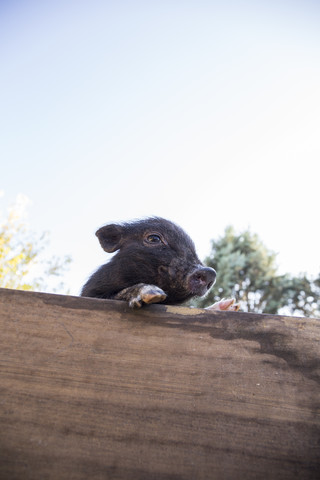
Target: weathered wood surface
column 92, row 390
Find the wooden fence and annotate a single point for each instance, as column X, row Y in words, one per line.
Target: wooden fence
column 90, row 389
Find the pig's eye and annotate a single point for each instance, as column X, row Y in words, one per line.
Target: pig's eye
column 153, row 238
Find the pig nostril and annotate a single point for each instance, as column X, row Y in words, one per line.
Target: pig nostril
column 202, row 280
column 199, row 277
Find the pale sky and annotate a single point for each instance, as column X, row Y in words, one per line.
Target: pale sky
column 203, row 112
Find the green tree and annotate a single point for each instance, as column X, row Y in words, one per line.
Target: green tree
column 22, row 263
column 247, row 270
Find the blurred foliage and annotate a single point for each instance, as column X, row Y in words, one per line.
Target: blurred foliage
column 22, row 263
column 247, row 270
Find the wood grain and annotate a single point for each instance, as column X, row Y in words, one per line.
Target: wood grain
column 90, row 389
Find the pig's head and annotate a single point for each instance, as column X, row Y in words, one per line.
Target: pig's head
column 158, row 252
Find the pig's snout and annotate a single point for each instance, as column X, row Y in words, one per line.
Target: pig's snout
column 201, row 280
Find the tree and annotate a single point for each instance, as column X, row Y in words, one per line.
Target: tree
column 247, row 270
column 22, row 265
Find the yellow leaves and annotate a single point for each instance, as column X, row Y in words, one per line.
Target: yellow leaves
column 20, row 254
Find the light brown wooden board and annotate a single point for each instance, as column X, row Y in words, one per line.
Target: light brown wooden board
column 90, row 389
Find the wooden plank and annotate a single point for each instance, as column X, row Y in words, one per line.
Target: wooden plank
column 90, row 389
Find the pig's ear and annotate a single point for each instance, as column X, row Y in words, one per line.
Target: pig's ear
column 110, row 237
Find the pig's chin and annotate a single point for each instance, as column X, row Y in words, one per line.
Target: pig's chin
column 197, row 290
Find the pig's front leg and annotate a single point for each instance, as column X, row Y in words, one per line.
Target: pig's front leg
column 225, row 304
column 141, row 293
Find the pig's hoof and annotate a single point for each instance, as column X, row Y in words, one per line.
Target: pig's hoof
column 226, row 305
column 152, row 294
column 147, row 294
column 135, row 302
